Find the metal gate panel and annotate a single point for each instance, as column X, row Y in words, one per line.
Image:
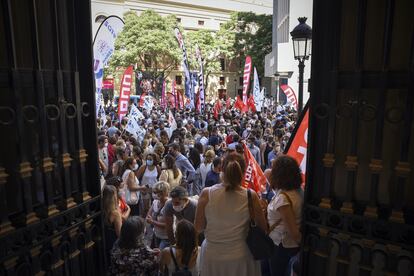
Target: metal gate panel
column 50, row 219
column 359, row 205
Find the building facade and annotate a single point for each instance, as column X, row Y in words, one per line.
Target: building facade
column 193, row 15
column 280, row 64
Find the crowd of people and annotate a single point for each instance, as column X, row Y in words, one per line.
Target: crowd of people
column 186, row 186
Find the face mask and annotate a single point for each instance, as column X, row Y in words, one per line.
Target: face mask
column 155, row 196
column 178, row 208
column 135, row 167
column 150, row 162
column 249, row 128
column 106, row 145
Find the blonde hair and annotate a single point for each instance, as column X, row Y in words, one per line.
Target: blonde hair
column 162, row 186
column 109, row 202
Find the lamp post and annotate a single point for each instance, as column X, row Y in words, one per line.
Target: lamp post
column 302, row 42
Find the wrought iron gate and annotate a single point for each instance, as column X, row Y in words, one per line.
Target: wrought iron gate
column 49, row 189
column 359, row 213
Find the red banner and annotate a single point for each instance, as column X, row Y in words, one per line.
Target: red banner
column 240, row 106
column 254, row 177
column 216, row 109
column 142, row 99
column 299, row 144
column 251, row 104
column 246, row 78
column 290, row 95
column 125, row 92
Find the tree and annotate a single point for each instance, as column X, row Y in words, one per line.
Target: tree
column 147, row 41
column 211, row 48
column 250, row 34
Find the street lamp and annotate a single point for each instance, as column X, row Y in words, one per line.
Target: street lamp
column 302, row 42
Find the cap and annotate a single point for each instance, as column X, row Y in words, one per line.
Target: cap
column 179, row 192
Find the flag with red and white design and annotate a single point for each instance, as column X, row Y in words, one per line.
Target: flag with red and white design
column 125, row 92
column 290, row 95
column 254, row 177
column 297, row 146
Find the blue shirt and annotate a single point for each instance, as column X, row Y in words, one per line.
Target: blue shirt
column 272, row 155
column 212, row 178
column 185, row 167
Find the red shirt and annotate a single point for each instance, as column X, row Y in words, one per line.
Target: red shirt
column 122, row 205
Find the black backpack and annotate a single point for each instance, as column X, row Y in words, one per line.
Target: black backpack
column 178, row 271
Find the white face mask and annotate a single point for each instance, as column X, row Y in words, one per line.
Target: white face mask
column 106, row 145
column 178, row 208
column 135, row 167
column 155, row 196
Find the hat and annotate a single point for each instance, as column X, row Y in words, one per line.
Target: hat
column 179, row 192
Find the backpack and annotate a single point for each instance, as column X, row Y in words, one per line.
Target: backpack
column 178, row 271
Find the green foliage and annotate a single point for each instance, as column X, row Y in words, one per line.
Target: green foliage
column 250, row 34
column 148, row 41
column 211, row 50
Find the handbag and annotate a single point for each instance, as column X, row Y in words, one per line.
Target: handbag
column 260, row 244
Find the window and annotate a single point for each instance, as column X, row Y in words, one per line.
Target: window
column 178, row 20
column 200, row 22
column 222, row 64
column 283, row 18
column 178, row 80
column 222, row 80
column 241, row 81
column 100, row 18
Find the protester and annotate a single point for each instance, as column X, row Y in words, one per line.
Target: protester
column 180, row 207
column 111, row 215
column 184, row 165
column 156, row 214
column 129, row 255
column 148, row 175
column 170, row 173
column 225, row 209
column 205, row 167
column 186, row 251
column 213, row 176
column 284, row 213
column 124, row 208
column 131, row 189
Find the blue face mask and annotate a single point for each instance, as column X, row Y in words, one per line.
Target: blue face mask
column 150, row 162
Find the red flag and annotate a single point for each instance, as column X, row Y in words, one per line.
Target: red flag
column 251, row 104
column 125, row 92
column 254, row 177
column 290, row 94
column 298, row 144
column 240, row 105
column 142, row 99
column 216, row 109
column 228, row 103
column 246, row 78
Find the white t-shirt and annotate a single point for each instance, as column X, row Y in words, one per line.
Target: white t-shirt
column 280, row 234
column 158, row 215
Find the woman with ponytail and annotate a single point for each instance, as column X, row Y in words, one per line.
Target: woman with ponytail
column 223, row 214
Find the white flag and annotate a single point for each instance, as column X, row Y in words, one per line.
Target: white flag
column 256, row 92
column 135, row 113
column 132, row 127
column 102, row 115
column 172, row 123
column 148, row 103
